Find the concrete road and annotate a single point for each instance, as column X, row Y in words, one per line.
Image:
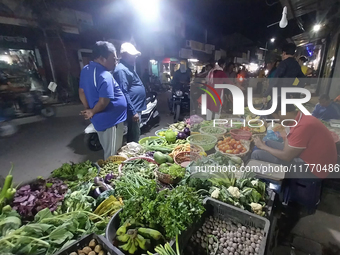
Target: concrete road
column 42, row 145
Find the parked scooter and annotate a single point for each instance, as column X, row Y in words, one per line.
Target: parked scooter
column 150, row 117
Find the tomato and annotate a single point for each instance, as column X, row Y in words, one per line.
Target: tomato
column 219, row 142
column 229, row 151
column 228, row 147
column 235, row 151
column 239, row 147
column 235, row 146
column 238, row 142
column 232, row 140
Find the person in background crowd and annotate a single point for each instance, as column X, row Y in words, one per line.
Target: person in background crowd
column 273, row 68
column 205, row 71
column 230, row 72
column 305, row 69
column 104, row 102
column 216, row 76
column 146, row 77
column 326, row 109
column 287, row 71
column 301, row 146
column 133, row 89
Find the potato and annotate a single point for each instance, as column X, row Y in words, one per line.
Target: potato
column 102, row 253
column 87, row 250
column 98, row 248
column 92, row 253
column 92, row 244
column 73, row 253
column 81, row 253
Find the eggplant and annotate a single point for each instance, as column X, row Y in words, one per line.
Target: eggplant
column 109, row 177
column 181, row 135
column 187, row 131
column 102, row 185
column 96, row 192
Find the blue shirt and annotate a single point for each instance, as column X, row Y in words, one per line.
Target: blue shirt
column 132, row 87
column 97, row 82
column 332, row 111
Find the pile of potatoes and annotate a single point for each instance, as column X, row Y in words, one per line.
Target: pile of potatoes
column 92, row 249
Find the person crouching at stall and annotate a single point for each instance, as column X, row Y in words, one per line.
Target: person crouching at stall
column 308, row 143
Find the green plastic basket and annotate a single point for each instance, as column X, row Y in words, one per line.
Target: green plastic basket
column 203, row 143
column 142, row 141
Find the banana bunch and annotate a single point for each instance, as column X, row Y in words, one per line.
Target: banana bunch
column 139, row 237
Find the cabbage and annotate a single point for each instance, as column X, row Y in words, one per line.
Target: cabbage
column 170, row 136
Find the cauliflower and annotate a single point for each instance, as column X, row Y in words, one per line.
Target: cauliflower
column 254, row 182
column 257, row 209
column 215, row 193
column 234, row 191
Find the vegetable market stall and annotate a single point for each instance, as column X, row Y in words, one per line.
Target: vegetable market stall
column 145, row 200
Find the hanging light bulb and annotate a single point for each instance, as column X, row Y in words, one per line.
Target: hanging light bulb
column 284, row 21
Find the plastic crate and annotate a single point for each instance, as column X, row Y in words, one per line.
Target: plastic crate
column 83, row 242
column 111, row 230
column 224, row 211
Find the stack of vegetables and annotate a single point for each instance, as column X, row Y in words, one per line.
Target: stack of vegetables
column 80, row 199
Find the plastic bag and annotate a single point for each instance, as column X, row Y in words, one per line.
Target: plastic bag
column 273, row 136
column 131, row 150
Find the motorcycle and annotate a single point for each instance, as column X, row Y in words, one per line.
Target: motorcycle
column 149, row 116
column 180, row 100
column 35, row 103
column 7, row 127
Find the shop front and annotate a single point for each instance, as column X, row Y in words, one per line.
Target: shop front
column 20, row 60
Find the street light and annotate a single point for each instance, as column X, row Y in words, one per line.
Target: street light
column 317, row 27
column 272, row 40
column 148, row 9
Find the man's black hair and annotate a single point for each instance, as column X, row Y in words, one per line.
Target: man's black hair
column 303, row 59
column 103, row 49
column 289, row 48
column 230, row 64
column 324, row 97
column 289, row 107
column 221, row 62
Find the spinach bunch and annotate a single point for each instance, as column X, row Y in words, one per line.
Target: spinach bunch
column 48, row 233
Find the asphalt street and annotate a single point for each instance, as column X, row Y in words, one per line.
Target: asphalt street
column 42, row 145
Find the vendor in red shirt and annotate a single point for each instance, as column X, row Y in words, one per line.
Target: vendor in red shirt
column 216, row 76
column 309, row 142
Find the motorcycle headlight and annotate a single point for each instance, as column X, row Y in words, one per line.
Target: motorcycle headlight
column 179, row 93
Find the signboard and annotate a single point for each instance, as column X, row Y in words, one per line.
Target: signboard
column 14, row 39
column 209, row 48
column 197, row 46
column 185, row 53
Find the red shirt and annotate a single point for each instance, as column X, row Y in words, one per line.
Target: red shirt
column 220, row 77
column 316, row 140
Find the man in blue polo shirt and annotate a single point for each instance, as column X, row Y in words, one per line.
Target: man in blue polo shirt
column 326, row 109
column 133, row 88
column 104, row 102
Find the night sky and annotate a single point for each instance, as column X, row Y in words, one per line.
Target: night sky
column 220, row 17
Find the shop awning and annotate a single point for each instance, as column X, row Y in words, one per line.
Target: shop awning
column 168, row 60
column 307, row 37
column 298, row 8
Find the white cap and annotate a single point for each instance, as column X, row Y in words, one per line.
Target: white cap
column 130, row 49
